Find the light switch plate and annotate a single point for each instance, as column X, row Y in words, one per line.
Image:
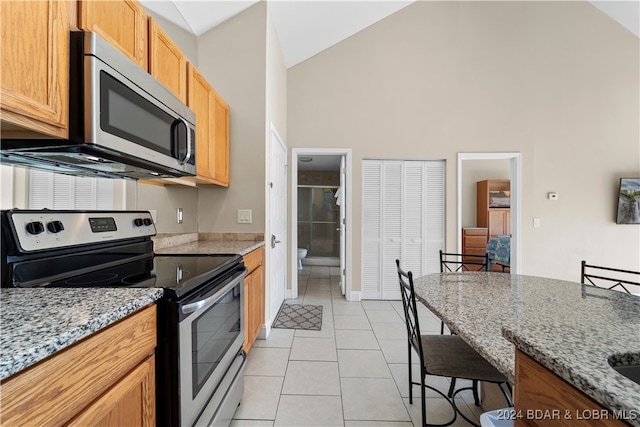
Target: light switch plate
column 244, row 216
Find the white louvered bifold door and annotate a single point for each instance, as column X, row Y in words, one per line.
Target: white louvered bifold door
column 371, row 227
column 391, row 226
column 403, row 218
column 435, row 221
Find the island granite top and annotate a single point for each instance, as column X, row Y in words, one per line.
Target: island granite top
column 35, row 323
column 571, row 329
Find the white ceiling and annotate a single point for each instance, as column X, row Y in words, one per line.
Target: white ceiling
column 307, row 27
column 319, row 162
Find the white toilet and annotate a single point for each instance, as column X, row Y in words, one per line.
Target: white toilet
column 301, row 254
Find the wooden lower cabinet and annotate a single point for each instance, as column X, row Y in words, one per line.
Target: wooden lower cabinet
column 107, row 379
column 253, row 296
column 131, row 402
column 542, row 398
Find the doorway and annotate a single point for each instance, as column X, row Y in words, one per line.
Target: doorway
column 321, row 212
column 515, row 173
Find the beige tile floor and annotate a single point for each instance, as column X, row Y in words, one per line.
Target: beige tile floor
column 352, row 373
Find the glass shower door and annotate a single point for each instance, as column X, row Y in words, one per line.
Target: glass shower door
column 318, row 221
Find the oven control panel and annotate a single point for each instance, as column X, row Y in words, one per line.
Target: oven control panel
column 37, row 230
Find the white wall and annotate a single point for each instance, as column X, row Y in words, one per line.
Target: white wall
column 232, row 58
column 6, row 187
column 555, row 81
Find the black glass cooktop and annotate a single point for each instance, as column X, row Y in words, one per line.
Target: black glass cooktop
column 177, row 274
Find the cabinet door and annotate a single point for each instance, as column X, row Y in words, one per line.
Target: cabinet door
column 201, row 100
column 257, row 301
column 498, row 222
column 131, row 402
column 221, row 138
column 254, row 306
column 122, row 23
column 35, row 66
column 167, row 63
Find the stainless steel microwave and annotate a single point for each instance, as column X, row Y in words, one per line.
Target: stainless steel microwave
column 123, row 123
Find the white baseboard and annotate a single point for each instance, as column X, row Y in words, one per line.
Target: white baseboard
column 265, row 330
column 355, row 296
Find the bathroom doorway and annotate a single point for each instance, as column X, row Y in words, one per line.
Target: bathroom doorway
column 320, row 212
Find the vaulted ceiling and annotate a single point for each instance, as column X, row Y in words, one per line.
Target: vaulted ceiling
column 307, row 27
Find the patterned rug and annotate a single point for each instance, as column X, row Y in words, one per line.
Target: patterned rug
column 298, row 316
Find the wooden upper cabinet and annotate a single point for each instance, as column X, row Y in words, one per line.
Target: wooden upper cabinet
column 167, row 63
column 201, row 100
column 35, row 67
column 221, row 138
column 212, row 133
column 122, row 23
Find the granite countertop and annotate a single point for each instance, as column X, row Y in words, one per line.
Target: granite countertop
column 240, row 247
column 569, row 328
column 35, row 323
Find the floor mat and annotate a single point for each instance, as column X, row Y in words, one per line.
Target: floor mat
column 298, row 316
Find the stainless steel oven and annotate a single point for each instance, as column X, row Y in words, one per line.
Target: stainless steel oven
column 199, row 356
column 211, row 334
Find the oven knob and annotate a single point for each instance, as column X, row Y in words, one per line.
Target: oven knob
column 35, row 227
column 138, row 222
column 55, row 226
column 147, row 221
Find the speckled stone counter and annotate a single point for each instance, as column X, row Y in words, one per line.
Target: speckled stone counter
column 569, row 328
column 240, row 247
column 35, row 323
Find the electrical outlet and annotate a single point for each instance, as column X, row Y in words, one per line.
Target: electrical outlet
column 536, row 222
column 244, row 216
column 179, row 215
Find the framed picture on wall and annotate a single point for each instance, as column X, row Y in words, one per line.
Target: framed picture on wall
column 629, row 201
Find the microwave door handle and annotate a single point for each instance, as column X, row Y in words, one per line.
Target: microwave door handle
column 188, row 132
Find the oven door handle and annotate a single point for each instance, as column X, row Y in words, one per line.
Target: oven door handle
column 209, row 301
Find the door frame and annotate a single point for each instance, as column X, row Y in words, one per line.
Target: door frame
column 516, row 201
column 301, row 152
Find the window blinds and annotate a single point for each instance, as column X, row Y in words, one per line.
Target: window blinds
column 56, row 191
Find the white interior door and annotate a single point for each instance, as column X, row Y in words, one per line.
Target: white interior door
column 342, row 226
column 277, row 241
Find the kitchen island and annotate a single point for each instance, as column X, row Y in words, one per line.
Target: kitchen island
column 570, row 329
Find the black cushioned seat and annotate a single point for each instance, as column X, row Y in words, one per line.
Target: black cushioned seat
column 450, row 356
